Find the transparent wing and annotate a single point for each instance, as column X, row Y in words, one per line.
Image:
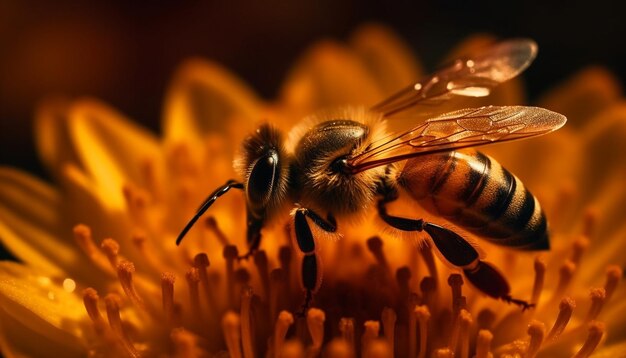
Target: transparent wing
column 459, row 129
column 469, row 77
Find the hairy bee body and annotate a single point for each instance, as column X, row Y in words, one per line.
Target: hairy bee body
column 476, row 193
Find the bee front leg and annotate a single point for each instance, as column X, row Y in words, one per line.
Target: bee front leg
column 310, row 273
column 457, row 251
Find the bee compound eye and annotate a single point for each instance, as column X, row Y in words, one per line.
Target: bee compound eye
column 262, row 178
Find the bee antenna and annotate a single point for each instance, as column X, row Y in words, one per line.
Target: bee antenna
column 207, row 204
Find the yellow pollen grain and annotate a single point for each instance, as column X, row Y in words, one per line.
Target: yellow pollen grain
column 69, row 285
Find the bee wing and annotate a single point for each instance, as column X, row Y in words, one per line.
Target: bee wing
column 469, row 77
column 459, row 129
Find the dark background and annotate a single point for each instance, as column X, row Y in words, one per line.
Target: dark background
column 124, row 52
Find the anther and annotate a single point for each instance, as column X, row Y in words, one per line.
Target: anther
column 485, row 319
column 540, row 274
column 389, row 327
column 596, row 331
column 111, row 249
column 444, row 353
column 537, row 332
column 483, row 344
column 566, row 308
column 82, row 236
column 285, row 319
column 231, row 324
column 370, row 333
column 315, row 323
column 423, row 315
column 455, row 281
column 167, row 295
column 125, row 271
column 246, row 322
column 598, row 296
column 90, row 299
column 212, row 225
column 613, row 275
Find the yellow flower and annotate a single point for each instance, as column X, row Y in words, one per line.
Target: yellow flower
column 118, row 285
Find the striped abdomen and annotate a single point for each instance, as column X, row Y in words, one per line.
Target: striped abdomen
column 473, row 191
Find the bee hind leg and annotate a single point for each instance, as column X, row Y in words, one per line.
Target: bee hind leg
column 457, row 251
column 310, row 273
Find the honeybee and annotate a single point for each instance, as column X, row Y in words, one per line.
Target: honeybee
column 343, row 163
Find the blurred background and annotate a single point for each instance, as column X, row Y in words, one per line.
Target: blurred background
column 124, row 52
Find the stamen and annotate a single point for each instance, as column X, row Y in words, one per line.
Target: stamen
column 375, row 245
column 566, row 308
column 193, row 279
column 483, row 344
column 403, row 277
column 413, row 333
column 82, row 236
column 389, row 327
column 315, row 322
column 429, row 260
column 211, row 225
column 590, row 221
column 167, row 294
column 285, row 319
column 598, row 296
column 231, row 327
column 125, row 271
column 111, row 249
column 596, row 331
column 540, row 274
column 613, row 275
column 90, row 299
column 150, row 178
column 370, row 333
column 465, row 321
column 230, row 254
column 246, row 322
column 579, row 246
column 537, row 332
column 428, row 286
column 423, row 315
column 115, row 322
column 201, row 263
column 276, row 283
column 338, row 348
column 185, row 344
column 284, row 256
column 147, row 251
column 136, row 202
column 455, row 281
column 486, row 318
column 566, row 272
column 260, row 261
column 346, row 327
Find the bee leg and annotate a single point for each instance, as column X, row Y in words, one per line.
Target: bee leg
column 310, row 273
column 459, row 253
column 207, row 204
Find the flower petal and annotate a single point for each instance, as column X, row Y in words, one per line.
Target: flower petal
column 583, row 96
column 52, row 136
column 30, row 222
column 111, row 148
column 33, row 303
column 203, row 98
column 329, row 74
column 389, row 60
